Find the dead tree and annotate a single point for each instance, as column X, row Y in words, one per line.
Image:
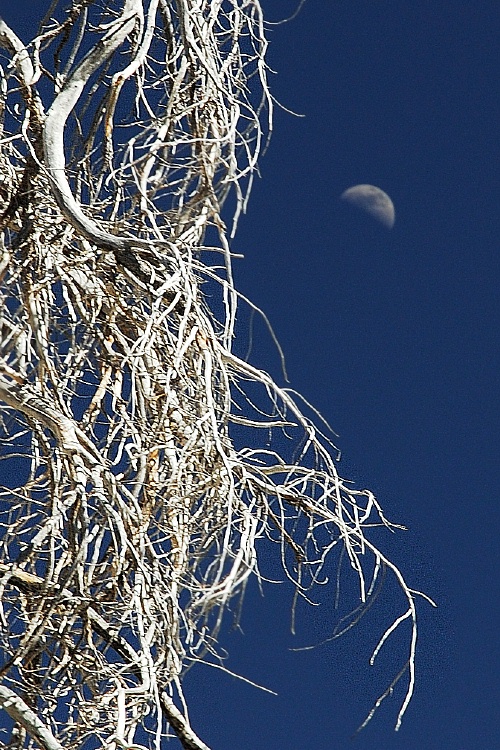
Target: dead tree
column 133, row 492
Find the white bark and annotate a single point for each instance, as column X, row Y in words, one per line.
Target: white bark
column 23, row 715
column 63, row 105
column 145, row 490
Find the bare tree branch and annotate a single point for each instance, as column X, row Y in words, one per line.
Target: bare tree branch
column 20, row 712
column 63, row 105
column 187, row 737
column 143, row 462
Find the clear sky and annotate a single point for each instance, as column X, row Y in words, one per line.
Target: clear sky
column 394, row 336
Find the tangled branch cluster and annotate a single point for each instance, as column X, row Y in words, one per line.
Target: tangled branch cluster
column 133, row 495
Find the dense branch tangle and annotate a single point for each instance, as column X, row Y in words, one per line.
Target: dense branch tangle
column 132, row 504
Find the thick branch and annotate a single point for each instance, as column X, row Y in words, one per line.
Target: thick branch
column 53, row 133
column 72, row 441
column 22, row 61
column 188, row 739
column 22, row 714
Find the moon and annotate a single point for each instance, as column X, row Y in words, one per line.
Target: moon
column 373, row 201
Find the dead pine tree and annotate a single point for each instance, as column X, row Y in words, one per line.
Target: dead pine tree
column 131, row 503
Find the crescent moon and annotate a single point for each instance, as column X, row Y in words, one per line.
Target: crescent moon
column 374, row 201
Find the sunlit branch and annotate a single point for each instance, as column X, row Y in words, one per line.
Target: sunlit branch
column 145, row 463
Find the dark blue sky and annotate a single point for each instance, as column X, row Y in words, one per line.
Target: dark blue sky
column 394, row 336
